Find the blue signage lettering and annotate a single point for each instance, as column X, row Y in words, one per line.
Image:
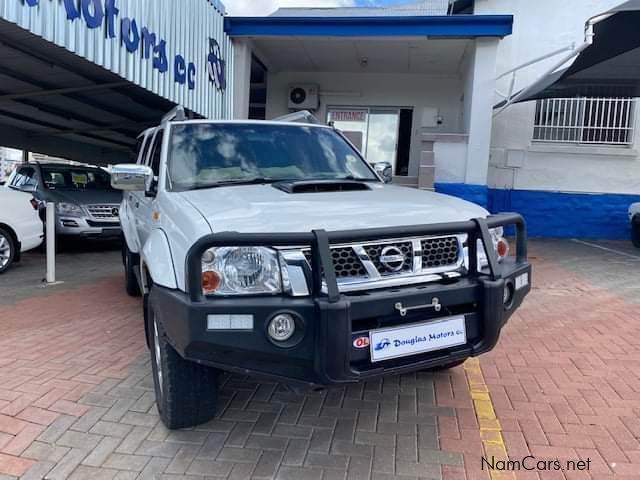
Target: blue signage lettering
column 97, row 12
column 216, row 65
column 111, row 12
column 94, row 19
column 72, row 9
column 130, row 34
column 148, row 42
column 191, row 76
column 180, row 70
column 160, row 60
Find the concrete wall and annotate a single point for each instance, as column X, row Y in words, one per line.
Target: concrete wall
column 540, row 27
column 378, row 90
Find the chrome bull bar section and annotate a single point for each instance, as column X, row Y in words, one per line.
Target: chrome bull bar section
column 323, row 280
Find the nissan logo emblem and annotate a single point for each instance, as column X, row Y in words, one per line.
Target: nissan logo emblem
column 392, row 259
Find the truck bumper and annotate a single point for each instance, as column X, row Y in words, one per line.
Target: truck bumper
column 85, row 228
column 323, row 351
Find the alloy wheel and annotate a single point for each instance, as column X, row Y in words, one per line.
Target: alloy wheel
column 5, row 251
column 158, row 361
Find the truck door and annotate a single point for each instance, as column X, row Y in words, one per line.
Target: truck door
column 143, row 205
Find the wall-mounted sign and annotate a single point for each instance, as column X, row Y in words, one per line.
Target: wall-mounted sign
column 216, row 66
column 348, row 116
column 136, row 37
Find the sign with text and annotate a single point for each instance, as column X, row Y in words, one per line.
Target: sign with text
column 348, row 116
column 417, row 338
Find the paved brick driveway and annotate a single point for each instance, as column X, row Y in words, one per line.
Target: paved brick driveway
column 76, row 394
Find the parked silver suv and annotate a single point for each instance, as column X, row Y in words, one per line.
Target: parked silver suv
column 86, row 204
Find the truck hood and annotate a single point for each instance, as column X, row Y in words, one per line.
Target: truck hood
column 263, row 208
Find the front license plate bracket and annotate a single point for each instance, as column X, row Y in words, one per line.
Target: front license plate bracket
column 417, row 338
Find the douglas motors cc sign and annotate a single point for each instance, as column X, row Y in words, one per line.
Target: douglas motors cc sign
column 138, row 38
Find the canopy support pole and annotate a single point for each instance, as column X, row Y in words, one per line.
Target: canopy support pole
column 574, row 52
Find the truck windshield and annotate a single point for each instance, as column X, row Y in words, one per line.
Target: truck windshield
column 75, row 179
column 207, row 155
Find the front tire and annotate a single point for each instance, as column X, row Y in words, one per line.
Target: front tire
column 8, row 250
column 186, row 392
column 635, row 232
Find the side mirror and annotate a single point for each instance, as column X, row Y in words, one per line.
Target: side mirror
column 385, row 170
column 130, row 177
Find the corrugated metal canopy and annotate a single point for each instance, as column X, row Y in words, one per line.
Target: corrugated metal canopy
column 55, row 102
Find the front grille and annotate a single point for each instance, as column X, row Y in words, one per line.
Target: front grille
column 104, row 212
column 440, row 252
column 393, row 262
column 375, row 254
column 345, row 262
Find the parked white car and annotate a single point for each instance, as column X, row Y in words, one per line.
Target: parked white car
column 21, row 229
column 634, row 218
column 275, row 249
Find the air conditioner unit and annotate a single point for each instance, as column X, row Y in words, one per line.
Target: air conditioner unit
column 304, row 97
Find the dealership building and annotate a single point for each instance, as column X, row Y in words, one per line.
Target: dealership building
column 413, row 85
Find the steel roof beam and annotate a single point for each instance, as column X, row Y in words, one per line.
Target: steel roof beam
column 138, row 100
column 43, row 123
column 62, row 91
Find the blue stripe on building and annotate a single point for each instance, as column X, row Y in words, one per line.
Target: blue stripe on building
column 555, row 214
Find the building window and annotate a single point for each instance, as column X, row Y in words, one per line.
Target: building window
column 605, row 121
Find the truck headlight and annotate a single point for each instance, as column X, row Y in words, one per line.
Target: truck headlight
column 241, row 271
column 68, row 209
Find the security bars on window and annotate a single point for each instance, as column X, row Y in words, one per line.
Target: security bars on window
column 606, row 121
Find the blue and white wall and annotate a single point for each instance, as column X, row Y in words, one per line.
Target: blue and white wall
column 563, row 190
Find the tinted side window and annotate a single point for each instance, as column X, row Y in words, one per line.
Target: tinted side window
column 156, row 151
column 25, row 177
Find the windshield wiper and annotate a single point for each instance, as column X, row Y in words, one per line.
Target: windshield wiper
column 226, row 183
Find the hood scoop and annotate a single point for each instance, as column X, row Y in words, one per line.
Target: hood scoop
column 321, row 186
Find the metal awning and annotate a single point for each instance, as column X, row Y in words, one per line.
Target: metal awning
column 54, row 102
column 82, row 82
column 608, row 67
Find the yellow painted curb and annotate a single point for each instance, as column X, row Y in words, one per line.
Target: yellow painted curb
column 490, row 428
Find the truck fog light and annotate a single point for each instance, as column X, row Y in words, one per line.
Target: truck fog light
column 282, row 327
column 507, row 296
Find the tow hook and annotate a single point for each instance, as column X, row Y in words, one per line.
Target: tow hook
column 435, row 304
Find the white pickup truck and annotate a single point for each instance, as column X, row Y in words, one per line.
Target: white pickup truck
column 634, row 218
column 275, row 249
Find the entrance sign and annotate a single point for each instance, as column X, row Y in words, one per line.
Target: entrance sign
column 348, row 115
column 176, row 52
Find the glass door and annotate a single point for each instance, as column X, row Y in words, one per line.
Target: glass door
column 382, row 139
column 374, row 131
